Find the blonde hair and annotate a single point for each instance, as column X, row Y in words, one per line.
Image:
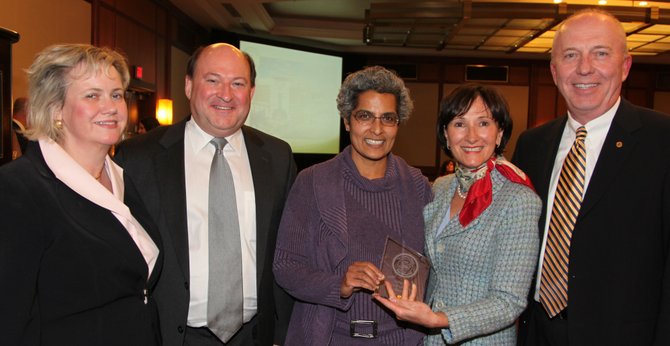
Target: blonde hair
column 49, row 79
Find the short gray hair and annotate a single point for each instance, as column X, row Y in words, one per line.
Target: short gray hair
column 378, row 79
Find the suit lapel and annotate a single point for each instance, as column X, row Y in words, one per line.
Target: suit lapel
column 546, row 155
column 99, row 223
column 618, row 145
column 140, row 213
column 546, row 162
column 90, row 219
column 169, row 168
column 265, row 195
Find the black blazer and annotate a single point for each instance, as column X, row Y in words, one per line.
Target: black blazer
column 70, row 274
column 155, row 163
column 619, row 267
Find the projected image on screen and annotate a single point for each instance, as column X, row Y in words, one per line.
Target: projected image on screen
column 295, row 97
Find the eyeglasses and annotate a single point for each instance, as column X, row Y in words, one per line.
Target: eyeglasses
column 387, row 119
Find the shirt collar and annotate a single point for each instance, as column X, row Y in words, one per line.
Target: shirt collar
column 200, row 139
column 67, row 170
column 599, row 123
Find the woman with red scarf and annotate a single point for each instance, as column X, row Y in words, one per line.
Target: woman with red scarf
column 481, row 230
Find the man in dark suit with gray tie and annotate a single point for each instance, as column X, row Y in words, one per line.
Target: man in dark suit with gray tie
column 171, row 168
column 605, row 279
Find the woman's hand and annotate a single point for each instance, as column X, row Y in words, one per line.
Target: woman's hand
column 406, row 308
column 361, row 275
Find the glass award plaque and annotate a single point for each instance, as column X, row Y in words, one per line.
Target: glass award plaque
column 401, row 263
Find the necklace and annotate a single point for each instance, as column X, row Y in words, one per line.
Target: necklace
column 460, row 193
column 97, row 177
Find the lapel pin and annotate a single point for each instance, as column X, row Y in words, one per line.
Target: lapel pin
column 619, row 144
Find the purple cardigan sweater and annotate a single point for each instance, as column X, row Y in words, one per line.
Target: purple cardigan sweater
column 313, row 237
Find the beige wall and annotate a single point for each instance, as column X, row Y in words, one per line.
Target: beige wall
column 416, row 139
column 41, row 23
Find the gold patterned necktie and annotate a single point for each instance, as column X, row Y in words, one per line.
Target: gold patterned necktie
column 568, row 199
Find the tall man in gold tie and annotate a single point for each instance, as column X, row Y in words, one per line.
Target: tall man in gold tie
column 603, row 172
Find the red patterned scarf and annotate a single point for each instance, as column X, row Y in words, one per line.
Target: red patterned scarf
column 480, row 194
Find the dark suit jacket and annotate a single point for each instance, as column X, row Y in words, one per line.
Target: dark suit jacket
column 155, row 163
column 70, row 274
column 619, row 269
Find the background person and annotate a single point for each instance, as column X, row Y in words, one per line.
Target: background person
column 339, row 214
column 77, row 265
column 171, row 165
column 147, row 124
column 447, row 167
column 19, row 124
column 481, row 229
column 617, row 279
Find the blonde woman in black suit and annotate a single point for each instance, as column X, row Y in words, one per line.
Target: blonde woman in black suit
column 77, row 264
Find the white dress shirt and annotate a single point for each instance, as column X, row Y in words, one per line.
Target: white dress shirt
column 596, row 131
column 198, row 154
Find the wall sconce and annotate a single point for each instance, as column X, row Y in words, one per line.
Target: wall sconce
column 164, row 111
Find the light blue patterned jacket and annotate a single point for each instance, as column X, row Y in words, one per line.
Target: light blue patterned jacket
column 481, row 274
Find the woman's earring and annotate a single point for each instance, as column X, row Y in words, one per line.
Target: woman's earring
column 58, row 123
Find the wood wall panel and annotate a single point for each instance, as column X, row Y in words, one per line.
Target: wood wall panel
column 638, row 78
column 161, row 21
column 561, row 106
column 662, row 101
column 545, row 107
column 454, row 73
column 542, row 74
column 517, row 99
column 7, row 39
column 428, row 72
column 162, row 70
column 139, row 45
column 637, row 96
column 416, row 141
column 142, row 11
column 107, row 24
column 519, row 75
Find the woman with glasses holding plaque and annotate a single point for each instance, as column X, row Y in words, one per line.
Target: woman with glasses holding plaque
column 338, row 216
column 481, row 230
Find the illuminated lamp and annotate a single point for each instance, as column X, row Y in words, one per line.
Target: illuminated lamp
column 164, row 111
